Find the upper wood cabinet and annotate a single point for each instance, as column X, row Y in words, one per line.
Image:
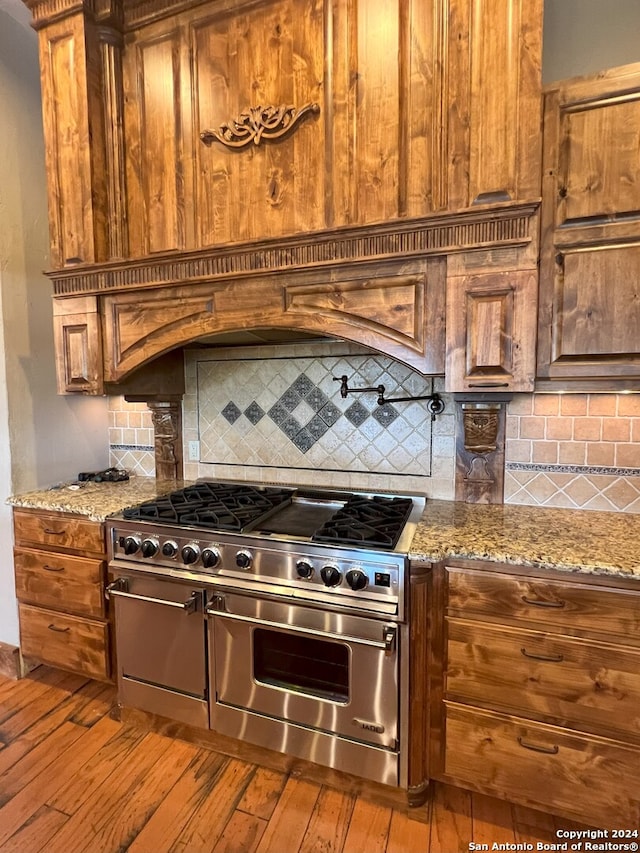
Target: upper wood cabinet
column 410, row 109
column 590, row 262
column 378, row 133
column 491, row 331
column 419, row 108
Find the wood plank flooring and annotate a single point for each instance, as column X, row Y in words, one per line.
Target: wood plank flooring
column 74, row 780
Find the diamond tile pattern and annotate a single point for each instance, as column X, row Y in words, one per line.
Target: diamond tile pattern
column 288, row 411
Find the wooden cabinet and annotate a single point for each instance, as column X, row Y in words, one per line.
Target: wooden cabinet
column 540, row 695
column 590, row 261
column 376, row 133
column 60, row 568
column 491, row 331
column 418, row 108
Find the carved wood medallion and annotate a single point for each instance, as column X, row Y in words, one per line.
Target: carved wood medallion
column 256, row 124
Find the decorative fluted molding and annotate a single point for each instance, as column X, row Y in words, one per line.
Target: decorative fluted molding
column 491, row 228
column 256, row 124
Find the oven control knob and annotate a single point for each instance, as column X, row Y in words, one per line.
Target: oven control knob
column 190, row 554
column 356, row 579
column 330, row 575
column 149, row 547
column 131, row 544
column 244, row 559
column 210, row 558
column 169, row 549
column 304, row 569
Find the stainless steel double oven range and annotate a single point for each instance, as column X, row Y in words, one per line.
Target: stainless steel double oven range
column 276, row 616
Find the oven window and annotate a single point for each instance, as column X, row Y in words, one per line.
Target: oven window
column 304, row 664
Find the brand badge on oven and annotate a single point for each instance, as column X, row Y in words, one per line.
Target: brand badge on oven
column 370, row 727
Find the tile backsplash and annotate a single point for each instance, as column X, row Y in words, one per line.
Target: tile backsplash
column 275, row 414
column 131, row 437
column 580, row 451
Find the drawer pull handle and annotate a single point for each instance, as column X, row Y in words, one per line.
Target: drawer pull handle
column 50, row 532
column 53, row 627
column 540, row 602
column 550, row 658
column 547, row 750
column 53, row 568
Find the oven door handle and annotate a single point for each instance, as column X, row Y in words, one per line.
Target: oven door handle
column 388, row 644
column 190, row 606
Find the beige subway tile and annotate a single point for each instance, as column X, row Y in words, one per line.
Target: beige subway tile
column 603, row 405
column 628, row 455
column 122, row 419
column 635, row 429
column 629, row 404
column 573, row 405
column 128, row 436
column 599, row 453
column 522, row 404
column 512, row 427
column 616, row 429
column 572, row 452
column 559, row 428
column 587, row 429
column 517, row 450
column 115, row 435
column 546, row 404
column 532, row 427
column 545, row 451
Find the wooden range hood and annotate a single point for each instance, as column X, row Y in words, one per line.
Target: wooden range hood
column 394, row 187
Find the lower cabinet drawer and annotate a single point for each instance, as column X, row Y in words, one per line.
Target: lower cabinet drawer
column 567, row 773
column 61, row 581
column 68, row 642
column 565, row 680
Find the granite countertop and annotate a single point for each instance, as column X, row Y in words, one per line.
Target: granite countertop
column 564, row 539
column 95, row 500
column 569, row 540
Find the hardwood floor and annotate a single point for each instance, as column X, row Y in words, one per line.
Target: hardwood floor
column 74, row 780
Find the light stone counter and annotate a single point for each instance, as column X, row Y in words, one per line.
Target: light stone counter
column 569, row 540
column 96, row 500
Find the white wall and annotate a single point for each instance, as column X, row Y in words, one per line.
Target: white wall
column 586, row 36
column 44, row 438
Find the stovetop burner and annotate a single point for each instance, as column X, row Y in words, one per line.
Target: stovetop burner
column 213, row 506
column 334, row 518
column 377, row 521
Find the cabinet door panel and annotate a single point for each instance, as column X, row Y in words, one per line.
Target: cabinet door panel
column 72, row 643
column 491, row 331
column 155, row 167
column 57, row 531
column 68, row 583
column 590, row 259
column 68, row 152
column 567, row 606
column 594, row 686
column 543, row 766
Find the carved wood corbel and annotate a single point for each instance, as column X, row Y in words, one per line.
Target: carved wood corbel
column 480, row 436
column 256, row 124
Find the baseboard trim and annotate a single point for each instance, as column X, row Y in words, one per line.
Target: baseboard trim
column 13, row 664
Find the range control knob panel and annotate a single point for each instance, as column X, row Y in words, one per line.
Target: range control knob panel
column 149, row 547
column 356, row 579
column 190, row 554
column 244, row 559
column 331, row 575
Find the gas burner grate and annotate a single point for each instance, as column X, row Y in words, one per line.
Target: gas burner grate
column 376, row 521
column 213, row 506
